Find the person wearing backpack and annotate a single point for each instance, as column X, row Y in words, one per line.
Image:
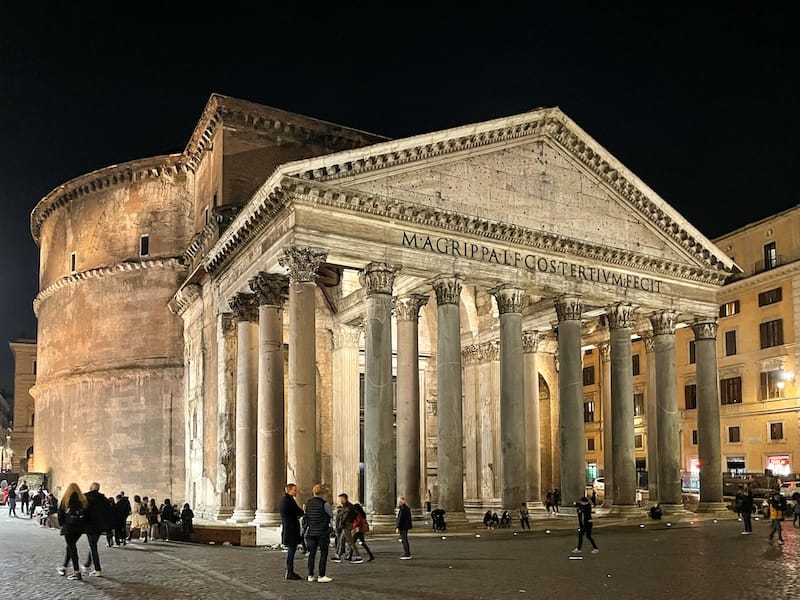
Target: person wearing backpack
column 72, row 519
column 361, row 527
column 98, row 520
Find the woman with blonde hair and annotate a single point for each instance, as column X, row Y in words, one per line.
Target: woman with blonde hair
column 72, row 519
column 139, row 518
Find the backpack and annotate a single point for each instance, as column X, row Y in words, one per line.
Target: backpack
column 75, row 519
column 361, row 520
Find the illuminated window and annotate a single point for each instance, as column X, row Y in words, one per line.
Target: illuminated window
column 729, row 309
column 588, row 411
column 638, row 441
column 638, row 405
column 772, row 383
column 770, row 256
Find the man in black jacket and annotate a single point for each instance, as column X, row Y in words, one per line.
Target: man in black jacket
column 403, row 525
column 290, row 523
column 318, row 515
column 98, row 520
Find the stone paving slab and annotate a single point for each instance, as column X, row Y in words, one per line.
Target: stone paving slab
column 705, row 559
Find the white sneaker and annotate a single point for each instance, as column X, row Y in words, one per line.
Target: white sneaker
column 576, row 550
column 94, row 573
column 405, row 558
column 324, row 579
column 595, row 550
column 311, row 578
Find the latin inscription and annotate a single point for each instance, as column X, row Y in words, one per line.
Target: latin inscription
column 531, row 262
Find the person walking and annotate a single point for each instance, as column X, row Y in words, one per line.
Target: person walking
column 639, row 498
column 524, row 521
column 139, row 519
column 584, row 508
column 152, row 518
column 548, row 501
column 404, row 524
column 187, row 520
column 12, row 500
column 318, row 514
column 746, row 510
column 72, row 519
column 24, row 497
column 594, row 497
column 360, row 528
column 349, row 514
column 290, row 528
column 98, row 520
column 776, row 516
column 428, row 499
column 556, row 499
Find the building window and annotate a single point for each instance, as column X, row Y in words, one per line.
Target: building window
column 34, row 366
column 144, row 245
column 734, row 435
column 588, row 352
column 692, row 356
column 635, row 361
column 736, row 465
column 771, row 333
column 729, row 309
column 588, row 375
column 694, row 437
column 638, row 405
column 73, row 263
column 638, row 441
column 588, row 411
column 690, row 396
column 770, row 256
column 730, row 390
column 772, row 384
column 776, row 430
column 205, row 216
column 730, row 342
column 770, row 297
column 590, row 444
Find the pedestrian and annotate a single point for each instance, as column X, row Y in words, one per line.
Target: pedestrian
column 24, row 496
column 290, row 528
column 796, row 512
column 12, row 500
column 98, row 520
column 404, row 524
column 584, row 509
column 776, row 516
column 524, row 521
column 139, row 520
column 72, row 519
column 349, row 514
column 548, row 501
column 37, row 501
column 360, row 528
column 338, row 532
column 152, row 518
column 110, row 529
column 594, row 497
column 556, row 499
column 737, row 501
column 119, row 520
column 746, row 510
column 638, row 498
column 428, row 500
column 168, row 518
column 319, row 514
column 187, row 518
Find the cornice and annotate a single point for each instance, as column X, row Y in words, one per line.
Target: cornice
column 105, row 178
column 172, row 263
column 759, row 280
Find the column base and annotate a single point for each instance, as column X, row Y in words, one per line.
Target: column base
column 242, row 515
column 676, row 512
column 266, row 519
column 713, row 508
column 626, row 510
column 382, row 523
column 222, row 513
column 537, row 505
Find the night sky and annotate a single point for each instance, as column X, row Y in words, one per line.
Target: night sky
column 700, row 103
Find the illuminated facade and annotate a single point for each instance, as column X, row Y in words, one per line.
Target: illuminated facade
column 24, row 352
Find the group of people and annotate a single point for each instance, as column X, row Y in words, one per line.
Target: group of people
column 552, row 500
column 310, row 527
column 94, row 514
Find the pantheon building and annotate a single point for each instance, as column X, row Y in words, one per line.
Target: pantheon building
column 292, row 300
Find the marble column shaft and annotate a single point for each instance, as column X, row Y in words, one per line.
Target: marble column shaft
column 708, row 420
column 301, row 425
column 448, row 379
column 530, row 346
column 469, row 357
column 409, row 473
column 246, row 311
column 667, row 419
column 608, row 418
column 226, row 394
column 570, row 391
column 346, row 411
column 271, row 291
column 624, row 460
column 513, row 484
column 652, row 418
column 379, row 447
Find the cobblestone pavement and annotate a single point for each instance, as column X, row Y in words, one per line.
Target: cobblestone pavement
column 704, row 559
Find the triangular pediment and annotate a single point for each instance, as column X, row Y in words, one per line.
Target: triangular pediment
column 536, row 175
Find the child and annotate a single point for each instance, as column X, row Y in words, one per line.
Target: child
column 186, row 519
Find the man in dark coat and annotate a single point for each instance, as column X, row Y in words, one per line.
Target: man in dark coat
column 98, row 520
column 403, row 524
column 290, row 523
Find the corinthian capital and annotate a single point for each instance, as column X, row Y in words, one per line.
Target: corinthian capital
column 379, row 278
column 271, row 289
column 509, row 299
column 406, row 308
column 448, row 288
column 649, row 342
column 663, row 322
column 568, row 307
column 346, row 336
column 244, row 307
column 530, row 341
column 705, row 328
column 302, row 262
column 620, row 315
